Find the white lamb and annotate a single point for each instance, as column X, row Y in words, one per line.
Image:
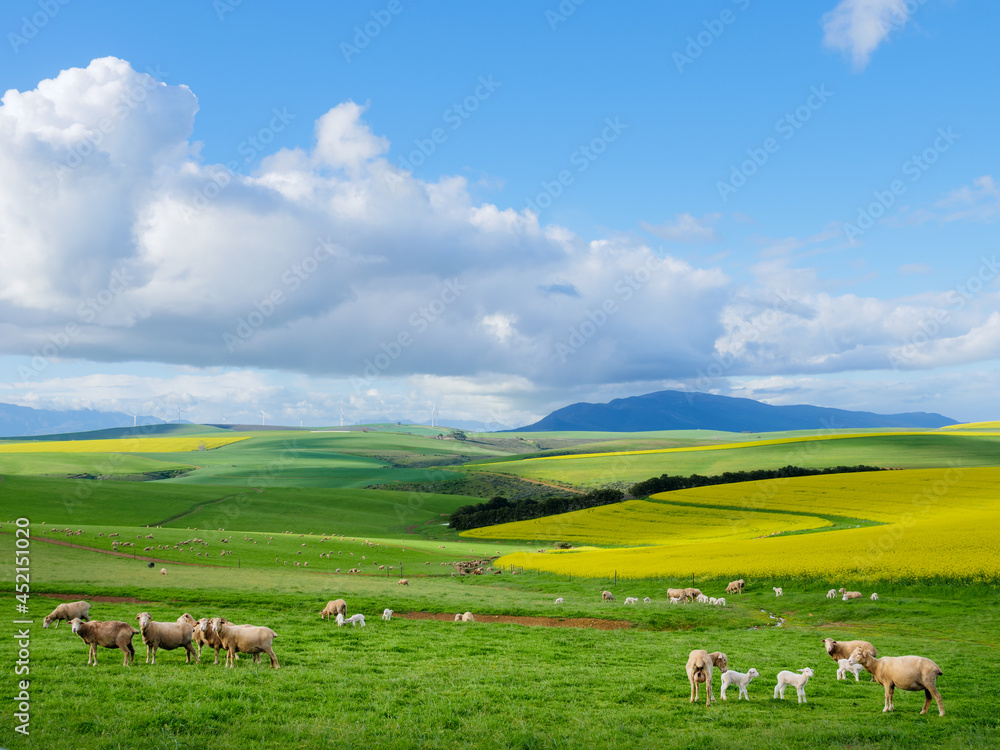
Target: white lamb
column 647, row 600
column 675, row 600
column 721, row 601
column 846, row 666
column 831, row 594
column 387, row 614
column 712, row 600
column 786, row 678
column 353, row 619
column 874, row 597
column 559, row 600
column 740, row 679
column 631, row 600
column 778, row 591
column 702, row 599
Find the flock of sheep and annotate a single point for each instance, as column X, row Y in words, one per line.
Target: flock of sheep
column 905, row 672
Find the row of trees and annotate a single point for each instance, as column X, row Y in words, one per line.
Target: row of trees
column 501, row 510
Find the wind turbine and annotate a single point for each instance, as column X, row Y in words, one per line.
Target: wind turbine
column 134, row 418
column 341, row 416
column 263, row 414
column 434, row 411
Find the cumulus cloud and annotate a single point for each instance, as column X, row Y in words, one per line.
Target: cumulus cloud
column 858, row 27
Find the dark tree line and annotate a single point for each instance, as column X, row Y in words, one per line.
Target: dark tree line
column 501, row 510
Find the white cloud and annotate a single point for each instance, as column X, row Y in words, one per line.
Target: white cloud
column 858, row 27
column 685, row 228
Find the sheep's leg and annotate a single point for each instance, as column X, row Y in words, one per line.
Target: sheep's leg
column 274, row 659
column 694, row 689
column 931, row 692
column 722, row 691
column 708, row 690
column 802, row 694
column 888, row 697
column 91, row 655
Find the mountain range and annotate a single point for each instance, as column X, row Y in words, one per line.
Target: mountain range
column 688, row 410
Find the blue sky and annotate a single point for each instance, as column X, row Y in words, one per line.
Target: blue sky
column 497, row 208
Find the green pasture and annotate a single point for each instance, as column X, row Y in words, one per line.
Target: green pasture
column 879, row 449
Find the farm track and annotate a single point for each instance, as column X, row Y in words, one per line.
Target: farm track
column 195, row 509
column 533, row 481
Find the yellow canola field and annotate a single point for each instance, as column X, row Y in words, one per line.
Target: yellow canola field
column 938, row 523
column 641, row 522
column 122, row 445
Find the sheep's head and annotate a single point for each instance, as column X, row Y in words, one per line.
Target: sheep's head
column 144, row 619
column 830, row 643
column 806, row 672
column 75, row 624
column 720, row 660
column 752, row 673
column 216, row 622
column 47, row 620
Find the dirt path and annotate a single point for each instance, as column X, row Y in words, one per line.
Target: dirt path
column 197, row 508
column 547, row 622
column 534, row 481
column 124, row 554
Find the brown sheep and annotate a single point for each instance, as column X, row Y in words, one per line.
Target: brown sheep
column 736, row 587
column 67, row 611
column 165, row 635
column 109, row 634
column 850, row 594
column 334, row 607
column 699, row 669
column 692, row 593
column 607, row 596
column 248, row 639
column 842, row 649
column 677, row 593
column 904, row 672
column 205, row 636
column 404, row 581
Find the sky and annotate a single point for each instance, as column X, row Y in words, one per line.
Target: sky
column 248, row 211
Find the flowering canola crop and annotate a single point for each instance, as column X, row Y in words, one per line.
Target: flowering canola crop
column 122, row 445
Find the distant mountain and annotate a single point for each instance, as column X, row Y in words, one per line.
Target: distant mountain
column 682, row 410
column 22, row 421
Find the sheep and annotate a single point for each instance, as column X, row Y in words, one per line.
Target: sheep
column 67, row 611
column 204, row 636
column 188, row 619
column 712, row 600
column 387, row 614
column 692, row 593
column 467, row 617
column 831, row 594
column 334, row 607
column 786, row 678
column 874, row 597
column 165, row 635
column 721, row 601
column 676, row 594
column 249, row 639
column 109, row 634
column 842, row 649
column 850, row 594
column 631, row 600
column 778, row 591
column 699, row 668
column 904, row 672
column 607, row 596
column 403, row 582
column 702, row 599
column 647, row 600
column 740, row 679
column 845, row 667
column 559, row 600
column 675, row 600
column 163, row 571
column 353, row 619
column 736, row 587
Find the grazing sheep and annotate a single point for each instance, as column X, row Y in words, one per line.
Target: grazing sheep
column 786, row 678
column 675, row 600
column 740, row 679
column 736, row 587
column 109, row 634
column 676, row 594
column 692, row 593
column 248, row 639
column 903, row 672
column 67, row 611
column 699, row 668
column 404, row 582
column 847, row 666
column 874, row 597
column 204, row 636
column 831, row 594
column 353, row 619
column 778, row 591
column 647, row 600
column 721, row 601
column 843, row 649
column 712, row 600
column 559, row 600
column 163, row 571
column 467, row 617
column 188, row 619
column 702, row 599
column 334, row 607
column 607, row 596
column 165, row 635
column 387, row 614
column 631, row 600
